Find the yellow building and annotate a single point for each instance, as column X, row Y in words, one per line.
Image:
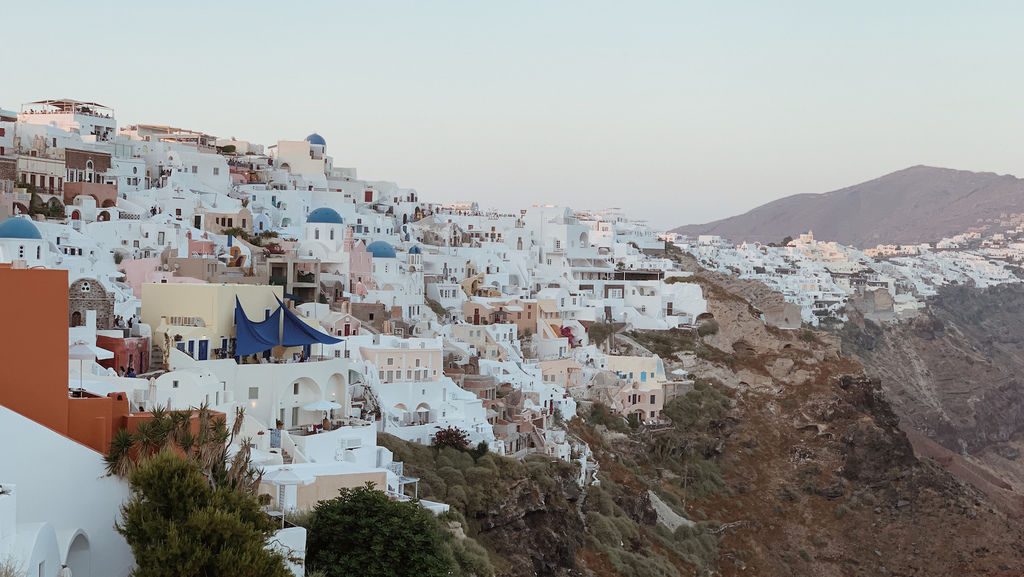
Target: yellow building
column 200, row 318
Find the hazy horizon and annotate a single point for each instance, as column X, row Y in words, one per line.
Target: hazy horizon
column 677, row 112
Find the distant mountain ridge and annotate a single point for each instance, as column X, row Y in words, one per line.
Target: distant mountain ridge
column 914, row 205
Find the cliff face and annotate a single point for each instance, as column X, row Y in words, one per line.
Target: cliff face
column 953, row 374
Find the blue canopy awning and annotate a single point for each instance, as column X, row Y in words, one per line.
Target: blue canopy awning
column 296, row 333
column 252, row 338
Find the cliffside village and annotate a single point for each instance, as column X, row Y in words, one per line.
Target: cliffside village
column 889, row 282
column 151, row 267
column 148, row 267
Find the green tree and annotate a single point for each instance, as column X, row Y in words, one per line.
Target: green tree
column 363, row 532
column 178, row 525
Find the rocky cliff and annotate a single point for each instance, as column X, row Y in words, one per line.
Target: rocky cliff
column 953, row 375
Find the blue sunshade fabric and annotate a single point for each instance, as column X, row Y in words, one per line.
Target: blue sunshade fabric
column 297, row 333
column 252, row 338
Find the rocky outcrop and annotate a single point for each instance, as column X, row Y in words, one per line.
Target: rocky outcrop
column 536, row 530
column 954, row 372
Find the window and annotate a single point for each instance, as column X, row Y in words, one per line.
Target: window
column 295, row 388
column 316, row 234
column 652, row 402
column 39, row 252
column 254, row 393
column 408, row 375
column 174, row 384
column 86, row 287
column 417, row 362
column 391, row 361
column 21, row 251
column 195, row 169
column 216, row 171
column 295, row 416
column 391, row 376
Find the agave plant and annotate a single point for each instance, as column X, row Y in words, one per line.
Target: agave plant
column 119, row 458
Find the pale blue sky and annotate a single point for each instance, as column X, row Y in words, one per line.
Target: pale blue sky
column 676, row 111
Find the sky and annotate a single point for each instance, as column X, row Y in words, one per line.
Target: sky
column 677, row 112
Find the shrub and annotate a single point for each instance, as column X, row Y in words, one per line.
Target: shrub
column 453, row 437
column 707, row 328
column 599, row 332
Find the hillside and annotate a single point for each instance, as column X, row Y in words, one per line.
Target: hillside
column 783, row 460
column 914, row 205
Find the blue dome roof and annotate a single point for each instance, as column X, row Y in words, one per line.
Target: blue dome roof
column 415, row 250
column 324, row 215
column 19, row 228
column 381, row 249
column 316, row 139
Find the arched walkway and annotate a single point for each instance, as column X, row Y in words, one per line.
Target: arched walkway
column 79, row 557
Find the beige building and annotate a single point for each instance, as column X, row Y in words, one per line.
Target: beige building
column 562, row 372
column 643, row 393
column 405, row 364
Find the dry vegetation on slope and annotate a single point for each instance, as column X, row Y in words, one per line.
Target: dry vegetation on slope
column 787, row 460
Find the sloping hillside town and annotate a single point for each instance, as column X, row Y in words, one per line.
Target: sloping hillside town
column 890, row 281
column 159, row 268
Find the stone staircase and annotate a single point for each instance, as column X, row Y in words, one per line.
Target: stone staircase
column 156, row 357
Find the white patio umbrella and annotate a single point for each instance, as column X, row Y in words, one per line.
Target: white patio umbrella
column 82, row 350
column 281, row 478
column 322, row 405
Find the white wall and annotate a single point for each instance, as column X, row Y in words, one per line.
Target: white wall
column 64, row 483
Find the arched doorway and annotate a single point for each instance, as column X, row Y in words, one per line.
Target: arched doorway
column 76, row 319
column 75, row 215
column 79, row 558
column 103, row 216
column 302, row 391
column 337, row 391
column 422, row 415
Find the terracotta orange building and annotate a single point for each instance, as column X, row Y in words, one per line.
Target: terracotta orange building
column 34, row 349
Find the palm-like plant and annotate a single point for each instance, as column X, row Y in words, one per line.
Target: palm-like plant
column 206, row 443
column 119, row 459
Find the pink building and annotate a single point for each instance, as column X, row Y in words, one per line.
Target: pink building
column 140, row 271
